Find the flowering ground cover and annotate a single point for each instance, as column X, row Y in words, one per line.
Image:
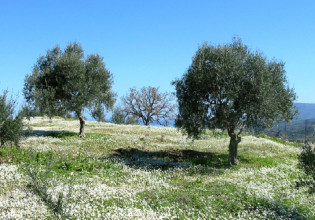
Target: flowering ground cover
column 137, row 172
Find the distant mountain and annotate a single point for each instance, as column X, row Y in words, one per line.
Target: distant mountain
column 306, row 111
column 301, row 128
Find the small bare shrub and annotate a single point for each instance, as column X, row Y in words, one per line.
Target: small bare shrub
column 40, row 177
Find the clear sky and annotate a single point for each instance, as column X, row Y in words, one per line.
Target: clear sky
column 151, row 43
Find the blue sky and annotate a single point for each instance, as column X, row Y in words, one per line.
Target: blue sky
column 151, row 43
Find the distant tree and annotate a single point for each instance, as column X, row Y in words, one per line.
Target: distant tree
column 130, row 120
column 230, row 87
column 63, row 82
column 149, row 105
column 11, row 127
column 120, row 117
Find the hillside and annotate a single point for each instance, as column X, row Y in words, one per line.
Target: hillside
column 301, row 128
column 297, row 130
column 306, row 111
column 136, row 172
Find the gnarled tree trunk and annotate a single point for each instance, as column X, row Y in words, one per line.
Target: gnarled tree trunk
column 82, row 125
column 234, row 141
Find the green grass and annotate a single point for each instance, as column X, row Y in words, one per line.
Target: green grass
column 134, row 172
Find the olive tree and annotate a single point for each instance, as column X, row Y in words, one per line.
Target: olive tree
column 149, row 105
column 11, row 127
column 231, row 87
column 118, row 116
column 65, row 82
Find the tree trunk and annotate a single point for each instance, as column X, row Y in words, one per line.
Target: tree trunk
column 147, row 122
column 234, row 141
column 82, row 125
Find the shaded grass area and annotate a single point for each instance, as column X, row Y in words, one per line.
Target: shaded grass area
column 134, row 157
column 193, row 179
column 225, row 199
column 52, row 133
column 138, row 157
column 63, row 134
column 165, row 159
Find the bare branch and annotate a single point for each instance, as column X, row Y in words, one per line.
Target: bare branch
column 149, row 105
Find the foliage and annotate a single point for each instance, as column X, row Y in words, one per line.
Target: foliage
column 65, row 82
column 130, row 120
column 11, row 128
column 149, row 105
column 307, row 163
column 118, row 116
column 231, row 87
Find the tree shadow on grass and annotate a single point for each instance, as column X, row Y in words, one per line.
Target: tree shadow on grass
column 52, row 133
column 171, row 158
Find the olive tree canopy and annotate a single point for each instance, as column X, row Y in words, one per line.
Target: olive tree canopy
column 65, row 81
column 231, row 87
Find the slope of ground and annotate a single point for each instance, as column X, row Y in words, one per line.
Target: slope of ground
column 136, row 172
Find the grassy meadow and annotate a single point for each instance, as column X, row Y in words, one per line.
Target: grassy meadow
column 137, row 172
